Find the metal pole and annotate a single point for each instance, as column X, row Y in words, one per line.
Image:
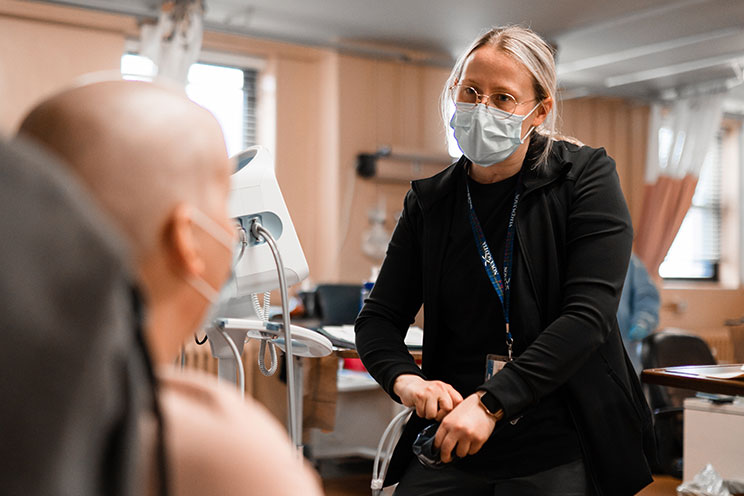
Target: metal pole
column 295, row 433
column 238, row 361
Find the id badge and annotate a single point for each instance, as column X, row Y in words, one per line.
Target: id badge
column 494, row 363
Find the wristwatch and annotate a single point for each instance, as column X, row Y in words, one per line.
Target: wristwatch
column 491, row 405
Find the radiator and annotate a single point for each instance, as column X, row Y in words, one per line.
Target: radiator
column 319, row 383
column 199, row 357
column 737, row 342
column 720, row 343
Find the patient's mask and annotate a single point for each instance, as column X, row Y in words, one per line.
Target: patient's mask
column 218, row 299
column 487, row 135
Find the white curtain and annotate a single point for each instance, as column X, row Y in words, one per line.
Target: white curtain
column 671, row 176
column 694, row 122
column 173, row 44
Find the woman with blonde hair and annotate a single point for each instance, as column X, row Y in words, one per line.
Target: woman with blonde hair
column 518, row 253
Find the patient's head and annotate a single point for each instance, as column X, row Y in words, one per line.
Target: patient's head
column 157, row 164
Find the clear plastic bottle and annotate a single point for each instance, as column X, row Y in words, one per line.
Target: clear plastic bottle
column 368, row 284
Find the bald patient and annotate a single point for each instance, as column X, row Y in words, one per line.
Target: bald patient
column 156, row 163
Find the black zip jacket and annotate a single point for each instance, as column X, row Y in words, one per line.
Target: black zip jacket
column 574, row 234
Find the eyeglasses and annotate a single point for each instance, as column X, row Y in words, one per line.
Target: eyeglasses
column 462, row 93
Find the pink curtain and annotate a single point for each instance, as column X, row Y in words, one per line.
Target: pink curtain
column 665, row 204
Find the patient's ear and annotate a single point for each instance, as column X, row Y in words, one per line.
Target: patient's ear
column 183, row 249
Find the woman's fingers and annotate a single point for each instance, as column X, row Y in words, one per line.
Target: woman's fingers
column 464, row 431
column 448, row 402
column 455, row 395
column 445, row 406
column 447, row 442
column 432, row 406
column 475, row 447
column 432, row 399
column 462, row 449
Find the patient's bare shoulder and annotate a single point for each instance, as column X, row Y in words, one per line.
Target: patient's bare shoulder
column 219, row 443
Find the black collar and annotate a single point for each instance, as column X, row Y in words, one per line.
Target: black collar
column 432, row 190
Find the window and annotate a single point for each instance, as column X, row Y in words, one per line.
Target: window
column 228, row 92
column 696, row 252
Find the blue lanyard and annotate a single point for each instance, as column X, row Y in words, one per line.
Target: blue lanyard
column 502, row 286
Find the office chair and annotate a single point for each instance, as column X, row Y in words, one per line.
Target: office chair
column 670, row 348
column 338, row 304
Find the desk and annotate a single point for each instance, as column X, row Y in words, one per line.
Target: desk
column 686, row 377
column 713, row 434
column 363, row 411
column 359, row 401
column 352, row 353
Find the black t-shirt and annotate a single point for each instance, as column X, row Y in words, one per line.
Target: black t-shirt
column 473, row 326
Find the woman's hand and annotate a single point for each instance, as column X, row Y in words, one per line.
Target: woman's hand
column 432, row 399
column 465, row 429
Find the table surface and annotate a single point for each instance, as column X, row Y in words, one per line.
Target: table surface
column 352, row 353
column 687, row 377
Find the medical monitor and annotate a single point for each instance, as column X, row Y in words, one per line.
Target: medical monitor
column 256, row 195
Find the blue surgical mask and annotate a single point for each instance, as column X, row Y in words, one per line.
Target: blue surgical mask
column 487, row 135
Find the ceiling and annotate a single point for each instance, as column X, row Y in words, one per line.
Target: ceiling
column 632, row 48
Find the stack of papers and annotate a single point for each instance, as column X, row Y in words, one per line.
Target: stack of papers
column 343, row 336
column 719, row 372
column 340, row 336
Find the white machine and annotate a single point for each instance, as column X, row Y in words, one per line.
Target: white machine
column 272, row 259
column 256, row 196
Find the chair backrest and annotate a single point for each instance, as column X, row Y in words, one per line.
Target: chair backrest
column 671, row 348
column 75, row 381
column 338, row 304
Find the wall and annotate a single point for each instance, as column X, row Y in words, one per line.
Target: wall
column 621, row 127
column 44, row 48
column 382, row 103
column 41, row 52
column 330, row 107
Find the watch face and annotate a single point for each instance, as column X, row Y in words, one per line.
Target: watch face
column 491, row 403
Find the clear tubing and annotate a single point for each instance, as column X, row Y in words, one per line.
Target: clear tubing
column 385, row 450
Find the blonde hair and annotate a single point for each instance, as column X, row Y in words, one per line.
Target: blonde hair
column 535, row 54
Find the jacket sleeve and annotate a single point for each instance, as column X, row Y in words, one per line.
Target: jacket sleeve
column 393, row 303
column 598, row 244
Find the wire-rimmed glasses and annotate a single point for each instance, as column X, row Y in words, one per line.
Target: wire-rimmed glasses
column 506, row 103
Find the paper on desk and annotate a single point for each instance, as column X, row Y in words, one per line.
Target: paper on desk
column 733, row 372
column 344, row 336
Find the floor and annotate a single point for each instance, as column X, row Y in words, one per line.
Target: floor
column 352, row 477
column 663, row 485
column 349, row 477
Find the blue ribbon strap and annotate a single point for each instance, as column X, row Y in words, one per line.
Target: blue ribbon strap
column 501, row 286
